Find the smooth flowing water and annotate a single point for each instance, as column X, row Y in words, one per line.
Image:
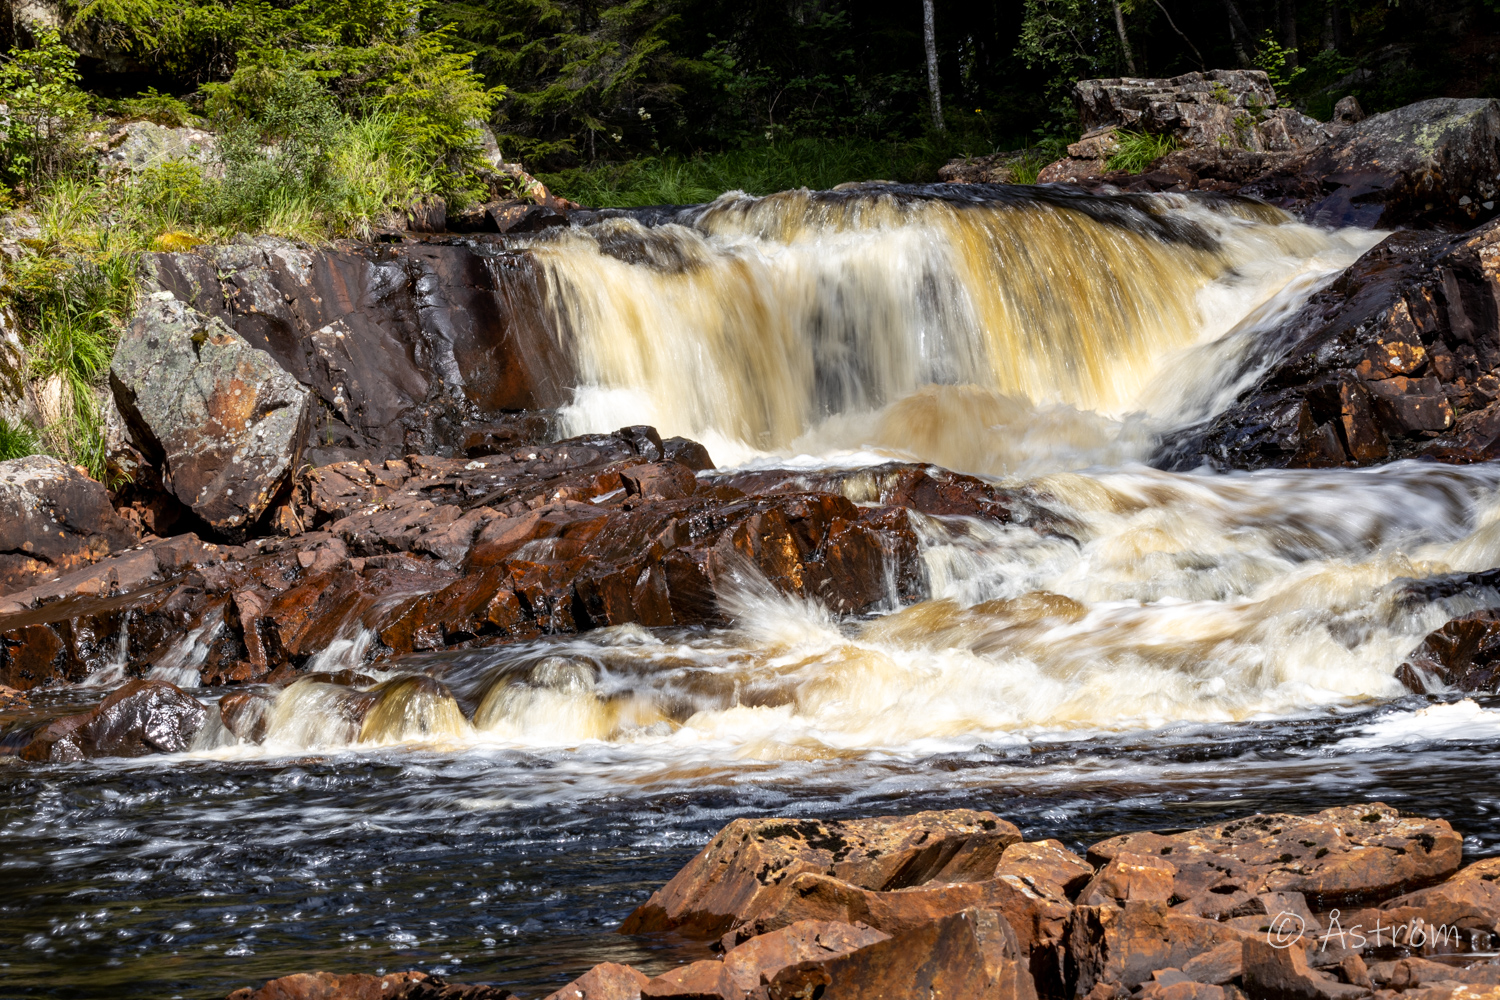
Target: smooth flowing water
column 1158, row 650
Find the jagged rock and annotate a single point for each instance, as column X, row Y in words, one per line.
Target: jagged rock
column 408, row 348
column 138, row 146
column 1464, row 653
column 1047, row 863
column 53, row 519
column 750, row 863
column 996, row 168
column 1278, row 973
column 759, row 961
column 1435, row 163
column 1335, row 857
column 1123, row 946
column 1398, row 357
column 606, row 981
column 225, row 421
column 143, row 717
column 1128, row 876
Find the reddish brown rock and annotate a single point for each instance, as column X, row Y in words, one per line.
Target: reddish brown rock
column 1335, row 857
column 1123, row 946
column 1464, row 653
column 1128, row 876
column 759, row 961
column 143, row 717
column 53, row 519
column 1046, row 862
column 606, row 981
column 750, row 863
column 1278, row 973
column 358, row 986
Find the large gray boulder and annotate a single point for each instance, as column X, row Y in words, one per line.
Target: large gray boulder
column 1430, row 164
column 53, row 519
column 224, row 421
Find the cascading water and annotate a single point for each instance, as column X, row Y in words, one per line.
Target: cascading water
column 1155, row 649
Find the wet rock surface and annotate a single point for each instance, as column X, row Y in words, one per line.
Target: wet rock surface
column 1149, row 945
column 1399, row 357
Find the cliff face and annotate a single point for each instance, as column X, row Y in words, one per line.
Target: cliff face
column 408, row 348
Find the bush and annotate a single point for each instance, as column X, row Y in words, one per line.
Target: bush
column 47, row 112
column 163, row 109
column 1138, row 150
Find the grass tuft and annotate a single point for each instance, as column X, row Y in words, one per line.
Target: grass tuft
column 1138, row 150
column 17, row 440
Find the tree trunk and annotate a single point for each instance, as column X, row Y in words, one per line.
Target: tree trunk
column 1289, row 31
column 1124, row 39
column 934, row 85
column 1330, row 42
column 1239, row 34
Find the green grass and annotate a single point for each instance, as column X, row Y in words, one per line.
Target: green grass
column 16, row 440
column 812, row 163
column 1138, row 150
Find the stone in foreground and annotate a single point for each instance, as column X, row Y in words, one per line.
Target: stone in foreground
column 53, row 519
column 750, row 863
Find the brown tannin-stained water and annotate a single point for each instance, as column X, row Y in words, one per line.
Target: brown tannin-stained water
column 1158, row 650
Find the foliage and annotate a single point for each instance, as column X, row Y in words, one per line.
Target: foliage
column 163, row 109
column 1272, row 57
column 761, row 169
column 46, row 111
column 1138, row 150
column 17, row 440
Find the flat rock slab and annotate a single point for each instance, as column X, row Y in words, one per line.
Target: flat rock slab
column 750, row 863
column 1357, row 853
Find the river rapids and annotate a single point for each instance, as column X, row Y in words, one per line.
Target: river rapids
column 1161, row 650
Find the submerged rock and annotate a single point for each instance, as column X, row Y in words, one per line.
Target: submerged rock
column 225, row 421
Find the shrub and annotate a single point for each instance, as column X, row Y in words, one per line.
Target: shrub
column 1138, row 150
column 47, row 112
column 163, row 109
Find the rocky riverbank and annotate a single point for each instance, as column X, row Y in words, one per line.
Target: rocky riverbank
column 1349, row 902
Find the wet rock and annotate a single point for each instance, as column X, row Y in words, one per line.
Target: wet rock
column 606, row 981
column 245, row 714
column 1335, row 857
column 226, row 423
column 141, row 718
column 53, row 519
column 407, row 348
column 1464, row 654
column 750, row 863
column 1396, row 359
column 11, row 698
column 1434, row 163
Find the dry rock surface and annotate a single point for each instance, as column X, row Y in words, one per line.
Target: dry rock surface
column 1355, row 901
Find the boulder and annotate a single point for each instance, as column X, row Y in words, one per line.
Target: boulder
column 749, row 864
column 141, row 718
column 359, row 986
column 1122, row 946
column 225, row 421
column 408, row 348
column 53, row 519
column 1463, row 653
column 1337, row 857
column 606, row 981
column 1397, row 358
column 1278, row 973
column 758, row 962
column 1047, row 863
column 1434, row 164
column 138, row 146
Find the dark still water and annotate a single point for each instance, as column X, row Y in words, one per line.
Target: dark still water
column 193, row 876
